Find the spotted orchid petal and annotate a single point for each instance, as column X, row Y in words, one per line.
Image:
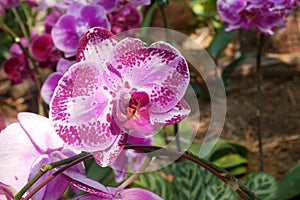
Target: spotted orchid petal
column 173, row 116
column 159, row 70
column 106, row 157
column 97, row 45
column 87, row 184
column 81, row 108
column 99, row 191
column 40, row 132
column 17, row 154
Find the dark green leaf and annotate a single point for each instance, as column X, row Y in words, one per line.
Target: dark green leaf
column 234, row 64
column 290, row 185
column 219, row 191
column 230, row 160
column 264, row 184
column 220, row 42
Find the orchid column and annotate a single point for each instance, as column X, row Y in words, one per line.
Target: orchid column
column 265, row 16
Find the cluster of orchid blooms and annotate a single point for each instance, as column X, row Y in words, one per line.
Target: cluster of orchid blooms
column 105, row 93
column 264, row 15
column 64, row 25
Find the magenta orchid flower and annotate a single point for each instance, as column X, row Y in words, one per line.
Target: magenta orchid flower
column 51, row 82
column 17, row 66
column 51, row 20
column 25, row 147
column 118, row 88
column 264, row 15
column 43, row 50
column 72, row 25
column 124, row 19
column 98, row 191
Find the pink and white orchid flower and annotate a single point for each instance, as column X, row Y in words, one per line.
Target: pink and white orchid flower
column 97, row 191
column 25, row 147
column 118, row 87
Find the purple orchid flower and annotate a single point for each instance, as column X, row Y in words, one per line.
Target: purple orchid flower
column 71, row 26
column 25, row 147
column 124, row 19
column 17, row 66
column 264, row 15
column 43, row 50
column 9, row 3
column 51, row 82
column 98, row 191
column 118, row 88
column 114, row 5
column 51, row 20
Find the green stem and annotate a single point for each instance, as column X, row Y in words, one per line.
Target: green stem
column 222, row 174
column 61, row 170
column 258, row 100
column 45, row 168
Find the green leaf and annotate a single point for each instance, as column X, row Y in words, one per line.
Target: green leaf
column 264, row 184
column 219, row 191
column 231, row 160
column 290, row 185
column 220, row 42
column 239, row 170
column 223, row 148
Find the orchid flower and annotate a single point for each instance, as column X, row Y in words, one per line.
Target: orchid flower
column 97, row 191
column 25, row 147
column 118, row 88
column 125, row 19
column 72, row 25
column 264, row 15
column 17, row 66
column 44, row 51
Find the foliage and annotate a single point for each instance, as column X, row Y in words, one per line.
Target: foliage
column 290, row 184
column 264, row 184
column 184, row 180
column 228, row 155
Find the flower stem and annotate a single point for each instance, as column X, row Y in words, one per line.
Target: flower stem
column 45, row 168
column 258, row 100
column 162, row 4
column 61, row 170
column 222, row 174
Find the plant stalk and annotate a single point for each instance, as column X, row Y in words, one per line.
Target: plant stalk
column 222, row 174
column 258, row 100
column 45, row 168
